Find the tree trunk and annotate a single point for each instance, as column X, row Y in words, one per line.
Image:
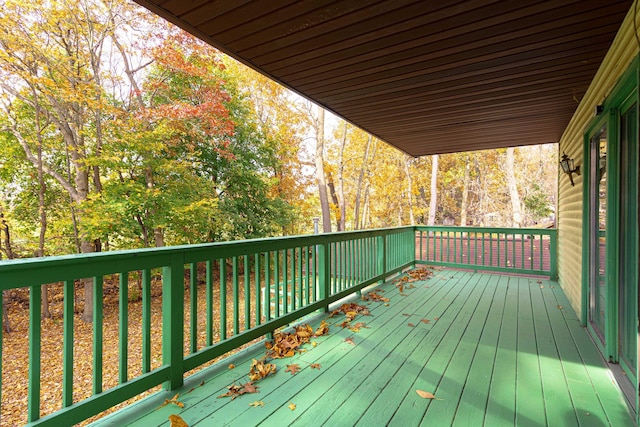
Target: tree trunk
column 516, row 205
column 465, row 193
column 42, row 189
column 407, row 173
column 356, row 219
column 433, row 203
column 334, row 198
column 6, row 242
column 341, row 201
column 320, row 176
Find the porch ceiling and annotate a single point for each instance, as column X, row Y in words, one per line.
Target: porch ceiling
column 427, row 77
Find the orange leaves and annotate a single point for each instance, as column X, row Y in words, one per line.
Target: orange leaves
column 260, row 370
column 349, row 341
column 286, row 344
column 294, row 368
column 351, row 310
column 315, row 366
column 177, row 421
column 374, row 296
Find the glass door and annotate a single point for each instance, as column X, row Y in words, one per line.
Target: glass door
column 627, row 283
column 597, row 233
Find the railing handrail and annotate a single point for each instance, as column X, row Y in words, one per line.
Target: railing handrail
column 296, row 275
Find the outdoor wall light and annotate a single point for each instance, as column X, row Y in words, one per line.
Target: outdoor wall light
column 567, row 167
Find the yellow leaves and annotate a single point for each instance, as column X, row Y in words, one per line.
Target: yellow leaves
column 260, row 369
column 232, row 366
column 292, row 406
column 257, row 403
column 177, row 421
column 323, row 329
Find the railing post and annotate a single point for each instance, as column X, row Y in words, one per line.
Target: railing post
column 173, row 321
column 553, row 254
column 324, row 272
column 382, row 255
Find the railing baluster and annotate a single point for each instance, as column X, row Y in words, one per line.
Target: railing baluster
column 146, row 320
column 123, row 331
column 35, row 326
column 193, row 305
column 223, row 298
column 267, row 286
column 247, row 293
column 173, row 320
column 209, row 301
column 98, row 292
column 276, row 282
column 258, row 289
column 236, row 298
column 67, row 343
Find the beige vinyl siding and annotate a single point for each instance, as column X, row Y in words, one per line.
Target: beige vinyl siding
column 617, row 60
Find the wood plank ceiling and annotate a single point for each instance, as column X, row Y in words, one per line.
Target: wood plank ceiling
column 428, row 77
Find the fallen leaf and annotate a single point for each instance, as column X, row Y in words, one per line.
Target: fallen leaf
column 541, row 286
column 314, row 344
column 174, row 400
column 315, row 366
column 256, row 403
column 232, row 366
column 292, row 406
column 249, row 388
column 560, row 307
column 349, row 340
column 425, row 320
column 406, row 314
column 177, row 421
column 323, row 329
column 425, row 394
column 260, row 369
column 294, row 368
column 410, row 325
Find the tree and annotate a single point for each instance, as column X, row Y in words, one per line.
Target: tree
column 433, row 203
column 516, row 205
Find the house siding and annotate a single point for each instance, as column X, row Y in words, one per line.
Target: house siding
column 570, row 199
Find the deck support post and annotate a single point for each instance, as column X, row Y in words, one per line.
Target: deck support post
column 173, row 321
column 324, row 273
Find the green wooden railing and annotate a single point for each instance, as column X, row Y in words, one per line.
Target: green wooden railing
column 251, row 288
column 248, row 289
column 509, row 250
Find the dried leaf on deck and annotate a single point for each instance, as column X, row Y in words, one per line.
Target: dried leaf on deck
column 232, row 366
column 425, row 394
column 256, row 403
column 356, row 327
column 260, row 369
column 174, row 400
column 323, row 329
column 349, row 340
column 177, row 421
column 294, row 368
column 315, row 366
column 411, row 325
column 292, row 406
column 425, row 320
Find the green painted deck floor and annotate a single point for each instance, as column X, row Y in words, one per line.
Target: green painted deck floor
column 496, row 351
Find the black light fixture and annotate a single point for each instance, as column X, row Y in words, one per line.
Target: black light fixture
column 567, row 167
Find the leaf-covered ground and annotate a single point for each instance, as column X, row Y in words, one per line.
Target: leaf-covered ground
column 15, row 351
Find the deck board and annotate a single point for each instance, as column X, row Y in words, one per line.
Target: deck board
column 497, row 350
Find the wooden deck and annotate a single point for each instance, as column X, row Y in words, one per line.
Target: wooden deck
column 494, row 350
